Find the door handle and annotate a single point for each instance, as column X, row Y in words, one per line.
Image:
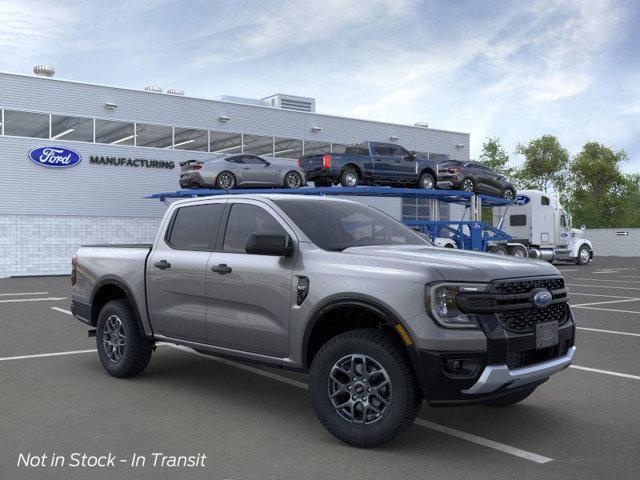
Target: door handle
column 162, row 265
column 221, row 269
column 246, row 168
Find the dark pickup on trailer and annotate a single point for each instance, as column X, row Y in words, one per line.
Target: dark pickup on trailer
column 371, row 163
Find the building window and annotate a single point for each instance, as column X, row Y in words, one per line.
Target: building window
column 287, row 148
column 26, row 124
column 316, row 148
column 157, row 136
column 224, row 142
column 517, row 220
column 258, row 145
column 72, row 128
column 420, row 209
column 190, row 139
column 114, row 133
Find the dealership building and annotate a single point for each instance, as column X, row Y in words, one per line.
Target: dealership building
column 129, row 144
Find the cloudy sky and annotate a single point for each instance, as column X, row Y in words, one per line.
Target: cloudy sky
column 515, row 70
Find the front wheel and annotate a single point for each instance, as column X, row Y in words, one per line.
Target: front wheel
column 468, row 185
column 292, row 180
column 427, row 181
column 508, row 194
column 584, row 255
column 363, row 389
column 225, row 181
column 123, row 349
column 498, row 250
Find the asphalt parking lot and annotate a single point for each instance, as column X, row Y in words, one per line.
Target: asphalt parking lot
column 256, row 423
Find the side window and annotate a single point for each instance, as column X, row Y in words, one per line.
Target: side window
column 563, row 221
column 238, row 159
column 194, row 228
column 244, row 220
column 381, row 149
column 544, row 200
column 396, row 151
column 517, row 220
column 253, row 160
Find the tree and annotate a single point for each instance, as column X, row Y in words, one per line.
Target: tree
column 545, row 164
column 495, row 157
column 600, row 193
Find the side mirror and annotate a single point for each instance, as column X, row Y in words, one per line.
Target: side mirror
column 583, row 227
column 273, row 244
column 410, row 156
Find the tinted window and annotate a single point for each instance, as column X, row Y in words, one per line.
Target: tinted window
column 517, row 220
column 235, row 159
column 381, row 149
column 194, row 227
column 335, row 225
column 544, row 200
column 250, row 159
column 357, row 151
column 244, row 220
column 397, row 151
column 26, row 124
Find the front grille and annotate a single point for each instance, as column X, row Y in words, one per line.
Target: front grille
column 523, row 321
column 525, row 286
column 531, row 357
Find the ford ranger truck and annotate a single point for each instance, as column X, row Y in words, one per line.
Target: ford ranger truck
column 371, row 163
column 379, row 317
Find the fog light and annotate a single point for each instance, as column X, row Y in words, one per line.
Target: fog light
column 461, row 367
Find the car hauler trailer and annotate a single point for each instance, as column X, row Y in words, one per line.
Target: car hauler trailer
column 538, row 221
column 468, row 234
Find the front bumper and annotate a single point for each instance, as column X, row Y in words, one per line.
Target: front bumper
column 495, row 377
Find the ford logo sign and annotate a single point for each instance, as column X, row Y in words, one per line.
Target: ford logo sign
column 55, row 157
column 541, row 298
column 521, row 200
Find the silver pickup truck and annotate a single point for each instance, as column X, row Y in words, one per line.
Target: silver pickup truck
column 380, row 318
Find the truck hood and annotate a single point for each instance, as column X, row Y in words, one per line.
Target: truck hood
column 458, row 265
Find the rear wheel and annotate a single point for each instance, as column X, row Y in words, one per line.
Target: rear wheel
column 519, row 251
column 349, row 178
column 512, row 399
column 508, row 194
column 498, row 250
column 292, row 180
column 363, row 389
column 225, row 180
column 427, row 181
column 123, row 349
column 468, row 185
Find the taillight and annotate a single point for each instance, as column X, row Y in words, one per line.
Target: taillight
column 196, row 167
column 326, row 160
column 74, row 264
column 299, row 162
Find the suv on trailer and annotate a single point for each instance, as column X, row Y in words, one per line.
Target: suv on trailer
column 379, row 317
column 474, row 177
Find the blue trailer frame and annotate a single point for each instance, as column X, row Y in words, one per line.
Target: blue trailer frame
column 467, row 234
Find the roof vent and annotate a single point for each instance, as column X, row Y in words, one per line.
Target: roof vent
column 175, row 91
column 153, row 88
column 292, row 102
column 44, row 71
column 422, row 124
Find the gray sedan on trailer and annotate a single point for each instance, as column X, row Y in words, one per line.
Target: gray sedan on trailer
column 231, row 171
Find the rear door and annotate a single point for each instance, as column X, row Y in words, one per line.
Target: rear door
column 177, row 272
column 248, row 307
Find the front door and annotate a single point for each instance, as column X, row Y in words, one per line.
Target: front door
column 177, row 272
column 249, row 296
column 257, row 171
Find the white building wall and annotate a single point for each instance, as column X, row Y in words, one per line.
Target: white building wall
column 612, row 242
column 44, row 244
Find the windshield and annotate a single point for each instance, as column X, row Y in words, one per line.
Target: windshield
column 336, row 225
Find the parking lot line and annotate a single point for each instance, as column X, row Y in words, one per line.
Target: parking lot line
column 22, row 293
column 606, row 309
column 607, row 280
column 61, row 310
column 606, row 372
column 609, row 331
column 602, row 286
column 606, row 302
column 596, row 295
column 17, row 300
column 41, row 355
column 485, row 442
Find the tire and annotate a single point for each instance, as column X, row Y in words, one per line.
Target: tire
column 391, row 373
column 135, row 352
column 427, row 182
column 498, row 250
column 519, row 251
column 508, row 194
column 292, row 180
column 322, row 182
column 468, row 185
column 584, row 255
column 349, row 178
column 225, row 180
column 512, row 399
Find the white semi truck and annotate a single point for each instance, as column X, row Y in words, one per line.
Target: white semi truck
column 540, row 223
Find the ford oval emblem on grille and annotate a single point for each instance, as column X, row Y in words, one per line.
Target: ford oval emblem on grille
column 56, row 157
column 541, row 298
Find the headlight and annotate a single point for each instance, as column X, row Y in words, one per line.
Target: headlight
column 442, row 303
